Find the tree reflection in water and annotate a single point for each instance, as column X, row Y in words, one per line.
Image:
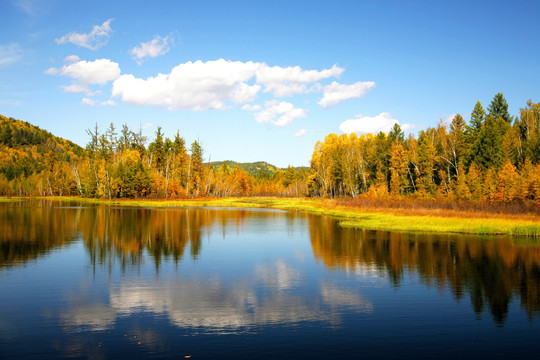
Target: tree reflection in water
column 490, row 271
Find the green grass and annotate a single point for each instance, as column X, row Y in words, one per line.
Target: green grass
column 371, row 219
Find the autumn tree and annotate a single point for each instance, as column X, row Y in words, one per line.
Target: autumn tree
column 398, row 169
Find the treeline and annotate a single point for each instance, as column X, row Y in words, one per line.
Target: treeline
column 122, row 165
column 493, row 158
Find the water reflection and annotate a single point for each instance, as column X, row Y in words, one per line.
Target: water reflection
column 491, row 271
column 29, row 232
column 214, row 306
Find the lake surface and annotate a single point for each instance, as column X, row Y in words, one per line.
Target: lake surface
column 106, row 282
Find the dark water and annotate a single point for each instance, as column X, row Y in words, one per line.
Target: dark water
column 105, row 282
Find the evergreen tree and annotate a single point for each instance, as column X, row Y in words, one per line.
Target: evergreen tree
column 499, row 108
column 478, row 116
column 157, row 149
column 196, row 168
column 487, row 150
column 396, row 134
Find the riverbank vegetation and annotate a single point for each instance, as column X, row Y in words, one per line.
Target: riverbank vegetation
column 490, row 164
column 351, row 215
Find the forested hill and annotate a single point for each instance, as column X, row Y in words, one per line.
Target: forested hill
column 27, row 150
column 254, row 168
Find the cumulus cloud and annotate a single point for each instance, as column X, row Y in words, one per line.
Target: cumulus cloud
column 93, row 40
column 99, row 71
column 372, row 125
column 9, row 54
column 192, row 86
column 291, row 80
column 249, row 107
column 211, row 85
column 87, row 101
column 156, row 47
column 336, row 93
column 147, row 125
column 279, row 113
column 300, row 133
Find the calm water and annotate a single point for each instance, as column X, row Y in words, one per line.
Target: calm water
column 106, row 282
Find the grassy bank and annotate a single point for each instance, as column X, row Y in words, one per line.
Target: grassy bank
column 9, row 199
column 360, row 217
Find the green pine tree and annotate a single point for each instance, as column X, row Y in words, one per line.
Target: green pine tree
column 499, row 108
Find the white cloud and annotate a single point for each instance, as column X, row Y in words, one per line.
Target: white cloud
column 154, row 48
column 211, row 85
column 9, row 54
column 75, row 88
column 108, row 103
column 93, row 40
column 147, row 126
column 372, row 125
column 300, row 133
column 87, row 101
column 279, row 113
column 336, row 93
column 192, row 86
column 407, row 127
column 287, row 81
column 249, row 107
column 71, row 59
column 99, row 71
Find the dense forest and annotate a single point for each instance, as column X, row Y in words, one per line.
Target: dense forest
column 120, row 164
column 495, row 158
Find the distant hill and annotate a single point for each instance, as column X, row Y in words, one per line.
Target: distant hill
column 26, row 149
column 254, row 168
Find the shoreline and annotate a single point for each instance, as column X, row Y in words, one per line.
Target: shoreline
column 384, row 219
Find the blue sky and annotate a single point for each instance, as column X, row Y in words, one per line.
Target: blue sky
column 262, row 80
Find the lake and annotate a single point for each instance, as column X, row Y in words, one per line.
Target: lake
column 84, row 281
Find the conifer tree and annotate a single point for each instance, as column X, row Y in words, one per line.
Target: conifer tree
column 499, row 108
column 487, row 150
column 157, row 150
column 196, row 170
column 478, row 116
